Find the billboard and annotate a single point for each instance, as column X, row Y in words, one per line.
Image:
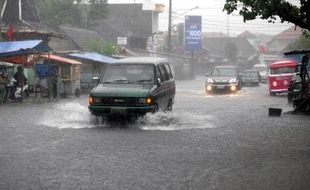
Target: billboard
column 193, row 33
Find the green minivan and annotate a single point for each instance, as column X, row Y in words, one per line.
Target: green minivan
column 134, row 86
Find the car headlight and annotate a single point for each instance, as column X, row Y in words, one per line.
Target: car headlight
column 210, row 80
column 232, row 81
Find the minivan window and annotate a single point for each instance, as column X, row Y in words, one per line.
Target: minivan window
column 129, row 73
column 163, row 73
column 168, row 69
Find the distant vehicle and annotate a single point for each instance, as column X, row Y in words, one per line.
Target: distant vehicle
column 263, row 72
column 280, row 75
column 133, row 87
column 250, row 78
column 223, row 78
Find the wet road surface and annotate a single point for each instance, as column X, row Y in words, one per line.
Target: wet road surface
column 207, row 142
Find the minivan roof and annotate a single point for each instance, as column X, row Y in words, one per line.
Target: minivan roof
column 141, row 60
column 283, row 63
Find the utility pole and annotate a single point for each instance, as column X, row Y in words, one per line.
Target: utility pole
column 169, row 26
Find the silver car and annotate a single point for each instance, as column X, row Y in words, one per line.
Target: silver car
column 223, row 78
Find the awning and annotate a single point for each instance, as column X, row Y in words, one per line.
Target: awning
column 18, row 48
column 61, row 59
column 93, row 57
column 5, row 65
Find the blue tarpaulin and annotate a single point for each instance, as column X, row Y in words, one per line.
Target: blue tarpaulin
column 93, row 57
column 44, row 70
column 17, row 48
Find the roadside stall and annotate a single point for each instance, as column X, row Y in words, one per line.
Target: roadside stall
column 68, row 75
column 25, row 54
column 93, row 65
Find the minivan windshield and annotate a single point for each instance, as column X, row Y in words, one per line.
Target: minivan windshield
column 223, row 72
column 283, row 70
column 129, row 73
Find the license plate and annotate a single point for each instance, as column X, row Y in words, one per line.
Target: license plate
column 118, row 111
column 220, row 86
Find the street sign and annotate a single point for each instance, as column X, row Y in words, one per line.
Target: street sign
column 122, row 41
column 193, row 33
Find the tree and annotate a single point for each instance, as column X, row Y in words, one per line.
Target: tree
column 108, row 48
column 302, row 43
column 79, row 13
column 297, row 14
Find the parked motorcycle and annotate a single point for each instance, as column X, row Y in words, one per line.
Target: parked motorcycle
column 15, row 91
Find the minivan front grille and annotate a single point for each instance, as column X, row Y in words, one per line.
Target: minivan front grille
column 118, row 101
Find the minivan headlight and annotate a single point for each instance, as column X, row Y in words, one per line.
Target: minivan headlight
column 232, row 81
column 93, row 100
column 149, row 101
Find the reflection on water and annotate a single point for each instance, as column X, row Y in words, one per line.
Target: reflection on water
column 76, row 116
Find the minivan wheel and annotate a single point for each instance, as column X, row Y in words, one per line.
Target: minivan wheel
column 169, row 107
column 155, row 109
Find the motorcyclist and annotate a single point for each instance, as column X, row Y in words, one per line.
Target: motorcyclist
column 20, row 77
column 20, row 82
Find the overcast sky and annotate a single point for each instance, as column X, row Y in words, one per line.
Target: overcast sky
column 213, row 17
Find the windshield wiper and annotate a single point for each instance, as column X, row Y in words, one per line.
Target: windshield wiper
column 116, row 81
column 142, row 80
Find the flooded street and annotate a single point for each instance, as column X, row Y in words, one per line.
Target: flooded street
column 218, row 141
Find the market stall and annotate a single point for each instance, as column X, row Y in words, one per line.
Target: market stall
column 68, row 75
column 25, row 54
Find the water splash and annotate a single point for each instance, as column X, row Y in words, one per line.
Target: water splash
column 76, row 116
column 67, row 115
column 178, row 120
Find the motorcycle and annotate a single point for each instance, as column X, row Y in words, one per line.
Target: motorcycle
column 15, row 91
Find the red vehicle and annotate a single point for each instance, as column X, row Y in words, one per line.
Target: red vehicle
column 280, row 75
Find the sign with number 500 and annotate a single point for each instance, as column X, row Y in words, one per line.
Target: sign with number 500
column 193, row 33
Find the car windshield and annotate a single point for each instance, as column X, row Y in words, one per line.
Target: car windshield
column 223, row 72
column 129, row 73
column 261, row 69
column 250, row 74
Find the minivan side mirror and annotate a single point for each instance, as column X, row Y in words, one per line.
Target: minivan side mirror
column 95, row 80
column 158, row 82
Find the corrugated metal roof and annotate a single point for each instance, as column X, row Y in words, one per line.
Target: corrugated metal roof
column 15, row 48
column 93, row 57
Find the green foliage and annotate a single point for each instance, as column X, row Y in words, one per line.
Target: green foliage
column 270, row 10
column 302, row 43
column 109, row 48
column 95, row 45
column 72, row 12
